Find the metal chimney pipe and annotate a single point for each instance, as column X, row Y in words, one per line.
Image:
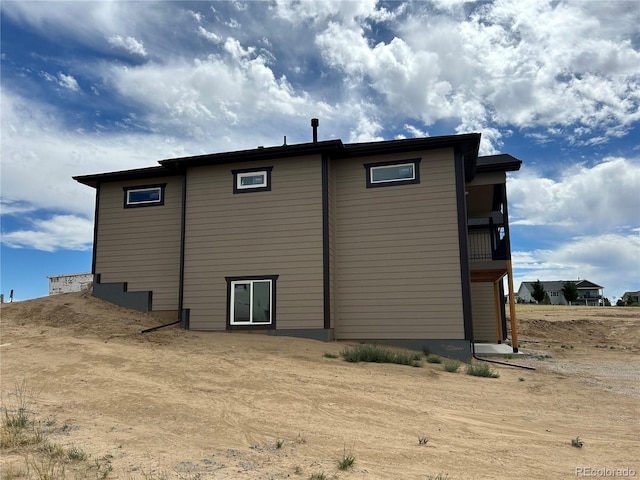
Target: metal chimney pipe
column 314, row 124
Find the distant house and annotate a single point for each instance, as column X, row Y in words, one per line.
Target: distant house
column 631, row 297
column 590, row 294
column 401, row 241
column 72, row 282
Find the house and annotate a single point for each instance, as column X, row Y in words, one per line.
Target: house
column 590, row 294
column 71, row 282
column 403, row 242
column 631, row 298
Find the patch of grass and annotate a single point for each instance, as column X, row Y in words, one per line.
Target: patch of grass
column 279, row 443
column 434, row 360
column 53, row 450
column 577, row 442
column 77, row 454
column 330, row 355
column 318, row 476
column 440, row 476
column 297, row 470
column 346, row 462
column 426, row 351
column 451, row 366
column 24, row 433
column 18, row 427
column 300, row 439
column 423, row 440
column 378, row 354
column 481, row 370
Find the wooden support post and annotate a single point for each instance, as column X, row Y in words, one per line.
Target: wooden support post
column 496, row 306
column 512, row 309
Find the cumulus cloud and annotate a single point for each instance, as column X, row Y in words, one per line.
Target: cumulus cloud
column 60, row 232
column 130, row 44
column 212, row 37
column 65, row 81
column 610, row 260
column 68, row 82
column 37, row 175
column 595, row 199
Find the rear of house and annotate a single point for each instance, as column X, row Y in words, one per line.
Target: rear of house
column 322, row 240
column 589, row 293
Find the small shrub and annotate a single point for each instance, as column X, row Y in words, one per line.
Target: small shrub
column 330, row 355
column 318, row 476
column 577, row 442
column 423, row 440
column 300, row 439
column 378, row 354
column 440, row 476
column 279, row 443
column 426, row 351
column 451, row 366
column 75, row 453
column 481, row 370
column 297, row 470
column 434, row 360
column 521, row 379
column 346, row 462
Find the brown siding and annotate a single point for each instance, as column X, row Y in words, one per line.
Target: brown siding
column 258, row 233
column 397, row 251
column 141, row 246
column 484, row 316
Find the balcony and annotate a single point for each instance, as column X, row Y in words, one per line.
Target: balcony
column 487, row 240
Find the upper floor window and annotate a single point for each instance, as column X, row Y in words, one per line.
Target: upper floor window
column 144, row 195
column 252, row 180
column 399, row 172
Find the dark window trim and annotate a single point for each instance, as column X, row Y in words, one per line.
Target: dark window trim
column 250, row 170
column 270, row 326
column 391, row 183
column 126, row 190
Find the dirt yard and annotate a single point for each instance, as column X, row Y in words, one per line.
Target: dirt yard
column 173, row 404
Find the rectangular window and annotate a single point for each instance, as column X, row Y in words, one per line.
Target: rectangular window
column 251, row 301
column 252, row 180
column 401, row 172
column 144, row 195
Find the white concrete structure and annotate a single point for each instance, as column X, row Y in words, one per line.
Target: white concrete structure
column 72, row 282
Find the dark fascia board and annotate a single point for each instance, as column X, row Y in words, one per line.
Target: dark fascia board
column 466, row 144
column 260, row 153
column 135, row 174
column 498, row 163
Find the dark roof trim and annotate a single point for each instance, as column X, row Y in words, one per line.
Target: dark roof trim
column 498, row 163
column 260, row 153
column 135, row 174
column 466, row 145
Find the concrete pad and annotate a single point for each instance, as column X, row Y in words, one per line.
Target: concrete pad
column 494, row 349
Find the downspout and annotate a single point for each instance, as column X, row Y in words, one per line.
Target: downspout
column 95, row 232
column 184, row 318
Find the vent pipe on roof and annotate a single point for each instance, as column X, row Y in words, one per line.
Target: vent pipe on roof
column 314, row 124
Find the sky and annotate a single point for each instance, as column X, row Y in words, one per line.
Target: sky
column 93, row 86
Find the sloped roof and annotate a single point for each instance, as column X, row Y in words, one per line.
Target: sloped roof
column 498, row 163
column 556, row 285
column 466, row 145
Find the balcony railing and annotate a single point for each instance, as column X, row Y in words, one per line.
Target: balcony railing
column 487, row 242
